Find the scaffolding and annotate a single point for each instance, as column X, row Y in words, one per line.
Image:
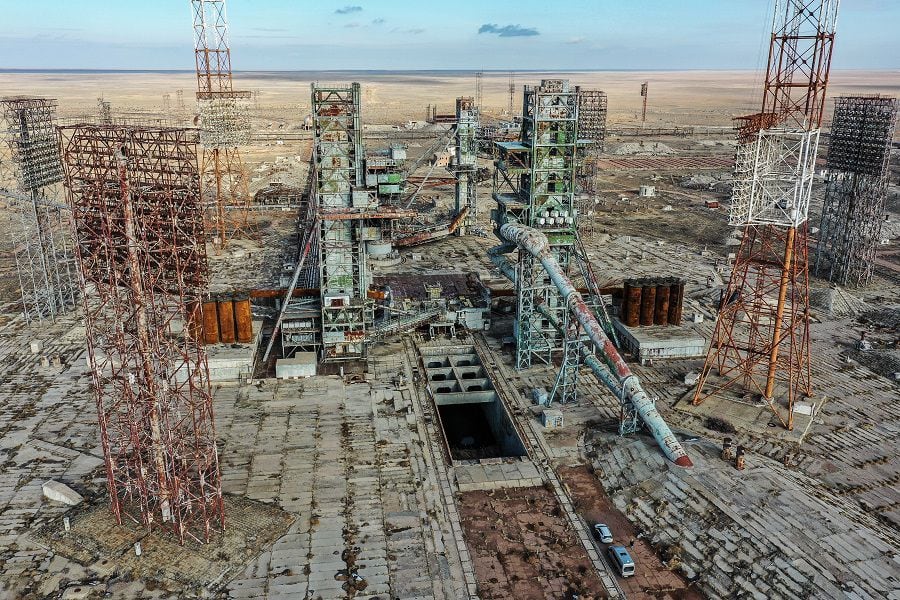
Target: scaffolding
column 40, row 235
column 224, row 124
column 135, row 200
column 592, row 135
column 479, row 91
column 534, row 184
column 760, row 343
column 856, row 188
column 344, row 209
column 466, row 166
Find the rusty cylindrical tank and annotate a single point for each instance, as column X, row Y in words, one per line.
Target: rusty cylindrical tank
column 676, row 301
column 661, row 314
column 193, row 320
column 226, row 320
column 648, row 302
column 210, row 323
column 631, row 304
column 243, row 319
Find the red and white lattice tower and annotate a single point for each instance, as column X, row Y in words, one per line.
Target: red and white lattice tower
column 760, row 344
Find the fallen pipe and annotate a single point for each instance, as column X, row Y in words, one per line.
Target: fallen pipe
column 536, row 244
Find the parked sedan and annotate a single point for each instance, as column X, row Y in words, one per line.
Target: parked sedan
column 603, row 533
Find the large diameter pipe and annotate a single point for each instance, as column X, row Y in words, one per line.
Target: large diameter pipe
column 536, row 244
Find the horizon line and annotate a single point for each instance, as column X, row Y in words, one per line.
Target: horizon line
column 437, row 70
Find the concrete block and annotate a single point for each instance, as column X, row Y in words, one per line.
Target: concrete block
column 60, row 492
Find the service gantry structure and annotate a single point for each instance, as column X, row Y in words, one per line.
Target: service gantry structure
column 139, row 242
column 40, row 232
column 760, row 343
column 534, row 187
column 859, row 152
column 224, row 123
column 349, row 217
column 592, row 133
column 465, row 166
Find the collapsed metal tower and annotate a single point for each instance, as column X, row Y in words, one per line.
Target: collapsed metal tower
column 534, row 185
column 137, row 215
column 466, row 167
column 40, row 237
column 224, row 123
column 761, row 339
column 859, row 153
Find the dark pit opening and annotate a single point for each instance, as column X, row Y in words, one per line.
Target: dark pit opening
column 479, row 430
column 470, row 375
column 439, row 377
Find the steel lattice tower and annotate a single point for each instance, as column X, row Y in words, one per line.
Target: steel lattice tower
column 224, row 122
column 534, row 184
column 466, row 166
column 859, row 153
column 40, row 239
column 761, row 338
column 139, row 242
column 592, row 133
column 479, row 91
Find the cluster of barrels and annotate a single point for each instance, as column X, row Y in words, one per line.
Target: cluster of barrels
column 652, row 301
column 227, row 320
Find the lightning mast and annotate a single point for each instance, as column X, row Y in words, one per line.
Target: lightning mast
column 761, row 340
column 224, row 122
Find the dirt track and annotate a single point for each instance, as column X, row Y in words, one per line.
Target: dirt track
column 523, row 549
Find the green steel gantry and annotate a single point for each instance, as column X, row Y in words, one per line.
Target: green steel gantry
column 534, row 184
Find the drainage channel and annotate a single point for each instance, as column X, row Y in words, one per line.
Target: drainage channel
column 540, row 453
column 432, row 439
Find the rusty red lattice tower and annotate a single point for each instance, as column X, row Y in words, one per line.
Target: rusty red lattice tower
column 224, row 123
column 760, row 344
column 138, row 230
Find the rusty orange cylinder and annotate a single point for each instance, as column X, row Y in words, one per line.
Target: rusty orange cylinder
column 243, row 319
column 676, row 301
column 210, row 323
column 632, row 304
column 193, row 321
column 661, row 314
column 648, row 302
column 226, row 321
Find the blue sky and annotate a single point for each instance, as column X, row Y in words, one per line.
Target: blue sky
column 423, row 34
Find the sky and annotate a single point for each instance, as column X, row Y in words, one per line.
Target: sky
column 430, row 34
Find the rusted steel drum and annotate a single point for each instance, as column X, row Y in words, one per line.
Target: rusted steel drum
column 226, row 321
column 632, row 302
column 210, row 323
column 243, row 319
column 661, row 314
column 648, row 302
column 676, row 301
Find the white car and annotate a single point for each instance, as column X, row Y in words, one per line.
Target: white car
column 603, row 533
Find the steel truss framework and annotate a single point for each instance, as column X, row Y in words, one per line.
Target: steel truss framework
column 761, row 338
column 466, row 166
column 534, row 184
column 592, row 133
column 852, row 214
column 134, row 195
column 224, row 122
column 348, row 217
column 40, row 235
